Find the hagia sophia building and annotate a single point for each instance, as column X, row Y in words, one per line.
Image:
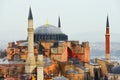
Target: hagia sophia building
column 50, row 41
column 54, row 46
column 49, row 55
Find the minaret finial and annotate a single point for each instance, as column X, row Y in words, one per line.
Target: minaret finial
column 107, row 23
column 47, row 22
column 59, row 22
column 30, row 14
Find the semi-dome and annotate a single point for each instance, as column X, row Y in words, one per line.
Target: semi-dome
column 26, row 44
column 49, row 32
column 60, row 78
column 116, row 69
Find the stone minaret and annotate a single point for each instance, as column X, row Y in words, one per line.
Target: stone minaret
column 40, row 68
column 40, row 74
column 30, row 62
column 107, row 40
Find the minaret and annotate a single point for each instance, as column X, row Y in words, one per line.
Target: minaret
column 59, row 23
column 40, row 74
column 30, row 62
column 107, row 40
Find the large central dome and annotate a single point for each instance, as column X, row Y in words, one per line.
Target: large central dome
column 49, row 32
column 47, row 29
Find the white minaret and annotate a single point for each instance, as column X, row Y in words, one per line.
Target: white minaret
column 40, row 74
column 30, row 62
column 40, row 68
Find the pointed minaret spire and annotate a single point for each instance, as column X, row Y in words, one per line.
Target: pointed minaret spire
column 107, row 23
column 30, row 14
column 59, row 23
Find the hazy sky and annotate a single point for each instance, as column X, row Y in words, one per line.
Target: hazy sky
column 83, row 20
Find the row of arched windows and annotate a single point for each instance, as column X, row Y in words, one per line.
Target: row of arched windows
column 58, row 37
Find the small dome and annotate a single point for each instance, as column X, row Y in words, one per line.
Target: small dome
column 116, row 69
column 72, row 71
column 47, row 29
column 47, row 62
column 60, row 78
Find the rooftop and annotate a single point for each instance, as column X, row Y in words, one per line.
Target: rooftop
column 48, row 29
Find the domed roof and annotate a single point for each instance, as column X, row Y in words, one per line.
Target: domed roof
column 72, row 71
column 48, row 29
column 116, row 69
column 49, row 33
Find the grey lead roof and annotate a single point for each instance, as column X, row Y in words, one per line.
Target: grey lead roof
column 26, row 44
column 60, row 78
column 72, row 71
column 48, row 29
column 116, row 69
column 47, row 62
